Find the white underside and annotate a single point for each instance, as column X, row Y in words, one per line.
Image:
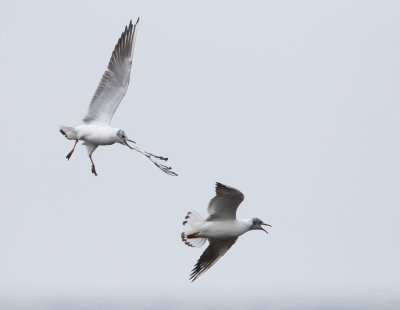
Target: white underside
column 97, row 134
column 222, row 229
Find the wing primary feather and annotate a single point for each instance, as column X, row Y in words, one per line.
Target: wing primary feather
column 115, row 80
column 215, row 250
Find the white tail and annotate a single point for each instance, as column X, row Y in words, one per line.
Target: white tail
column 191, row 221
column 69, row 132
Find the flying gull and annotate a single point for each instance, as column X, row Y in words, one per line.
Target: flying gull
column 221, row 228
column 96, row 129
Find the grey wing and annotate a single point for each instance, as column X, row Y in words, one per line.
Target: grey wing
column 115, row 80
column 216, row 249
column 225, row 203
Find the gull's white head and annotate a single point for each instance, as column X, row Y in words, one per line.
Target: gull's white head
column 257, row 225
column 123, row 139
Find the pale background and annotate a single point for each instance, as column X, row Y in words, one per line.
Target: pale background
column 295, row 103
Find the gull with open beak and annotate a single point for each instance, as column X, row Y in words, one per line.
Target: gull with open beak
column 96, row 129
column 221, row 228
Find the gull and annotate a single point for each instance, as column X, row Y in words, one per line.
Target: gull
column 96, row 129
column 221, row 228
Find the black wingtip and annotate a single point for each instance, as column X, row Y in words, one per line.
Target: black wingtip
column 219, row 185
column 194, row 275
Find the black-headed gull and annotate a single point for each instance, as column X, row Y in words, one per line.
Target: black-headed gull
column 96, row 129
column 221, row 228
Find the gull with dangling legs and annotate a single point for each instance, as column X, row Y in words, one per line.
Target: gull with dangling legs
column 96, row 129
column 221, row 228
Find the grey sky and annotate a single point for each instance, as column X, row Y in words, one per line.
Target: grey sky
column 295, row 103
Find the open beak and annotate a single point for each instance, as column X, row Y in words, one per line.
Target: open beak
column 263, row 229
column 126, row 142
column 265, row 225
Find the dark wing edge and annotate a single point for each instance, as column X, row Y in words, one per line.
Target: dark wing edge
column 122, row 51
column 215, row 250
column 224, row 195
column 226, row 191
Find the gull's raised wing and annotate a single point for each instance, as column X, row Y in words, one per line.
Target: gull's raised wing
column 215, row 250
column 115, row 80
column 224, row 205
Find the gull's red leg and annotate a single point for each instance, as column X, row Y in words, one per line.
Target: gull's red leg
column 194, row 235
column 93, row 167
column 73, row 149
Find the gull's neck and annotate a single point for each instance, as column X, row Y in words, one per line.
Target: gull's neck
column 248, row 222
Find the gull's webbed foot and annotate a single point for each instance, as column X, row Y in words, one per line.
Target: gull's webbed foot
column 69, row 155
column 94, row 170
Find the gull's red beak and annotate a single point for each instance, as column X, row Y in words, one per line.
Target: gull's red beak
column 265, row 225
column 263, row 229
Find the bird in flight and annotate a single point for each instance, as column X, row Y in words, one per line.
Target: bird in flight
column 96, row 129
column 221, row 228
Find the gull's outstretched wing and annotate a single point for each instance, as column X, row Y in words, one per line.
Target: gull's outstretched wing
column 224, row 205
column 115, row 80
column 216, row 249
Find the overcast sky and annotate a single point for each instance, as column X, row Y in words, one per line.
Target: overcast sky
column 295, row 103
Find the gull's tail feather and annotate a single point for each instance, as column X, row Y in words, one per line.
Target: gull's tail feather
column 191, row 221
column 69, row 132
column 153, row 159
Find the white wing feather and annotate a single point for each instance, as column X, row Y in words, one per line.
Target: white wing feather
column 115, row 80
column 90, row 148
